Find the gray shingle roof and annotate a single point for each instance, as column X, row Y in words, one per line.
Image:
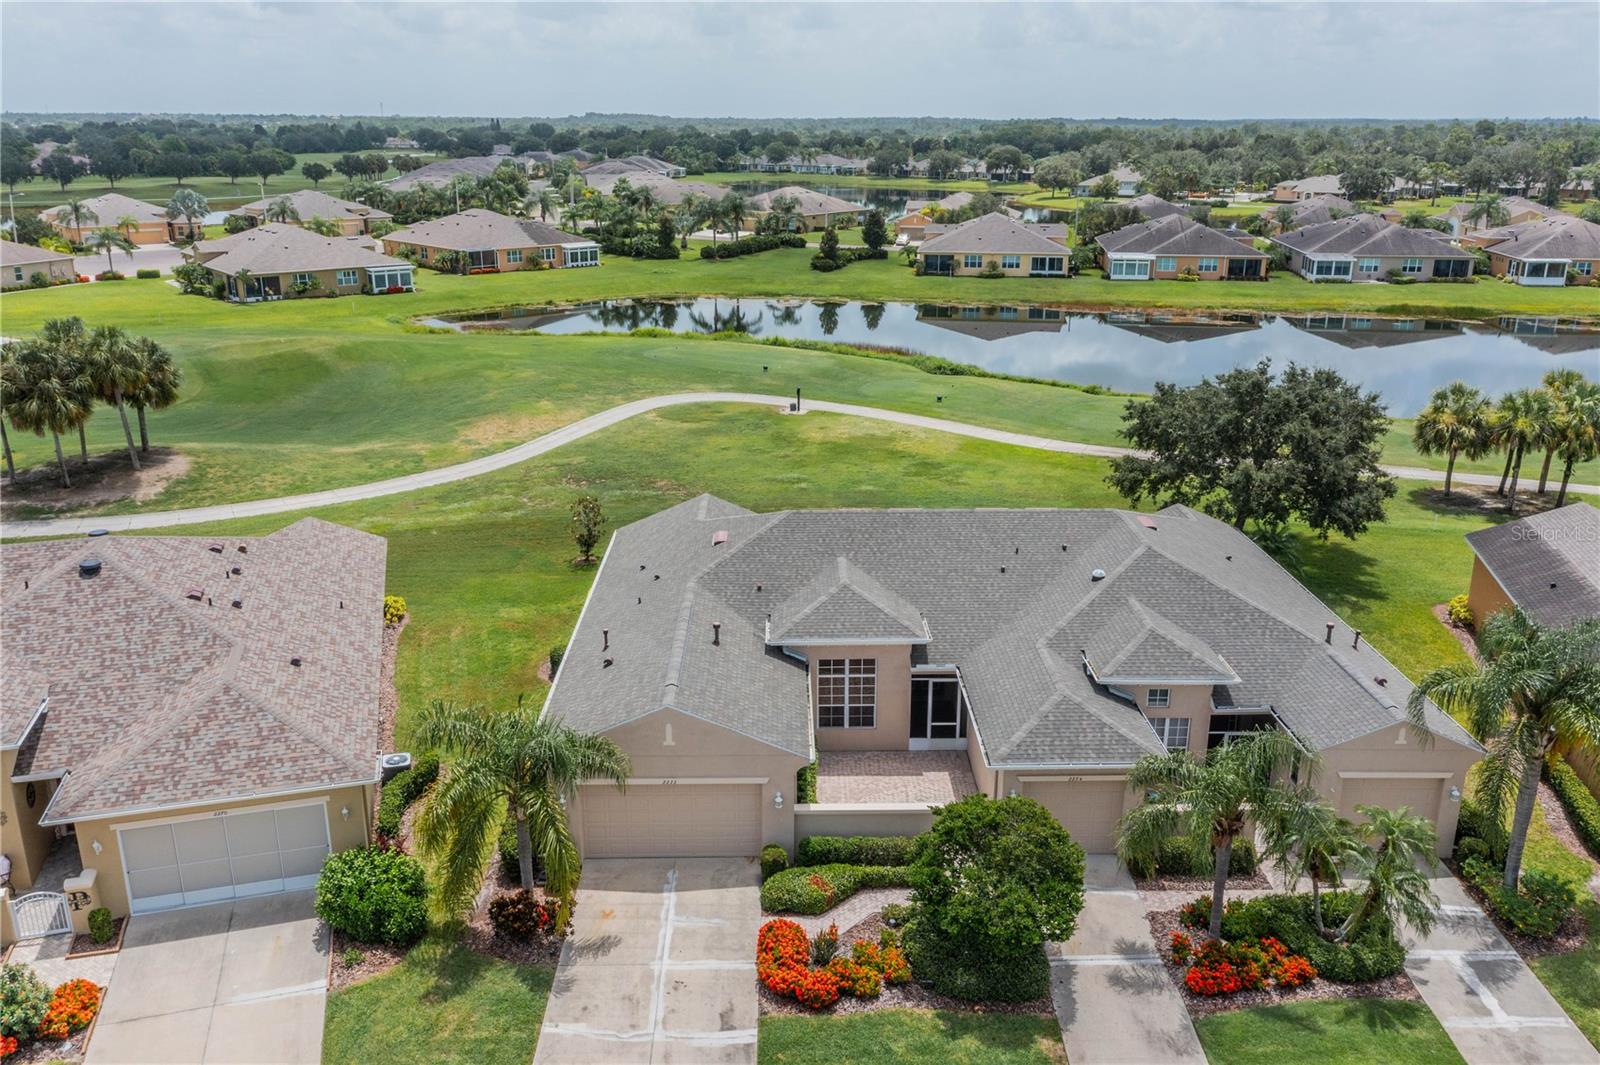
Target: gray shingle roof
column 442, row 171
column 13, row 254
column 1007, row 596
column 311, row 203
column 1139, row 646
column 808, row 201
column 280, row 248
column 1562, row 237
column 1175, row 235
column 1369, row 235
column 1317, row 209
column 477, row 229
column 1153, row 206
column 995, row 233
column 1320, row 184
column 112, row 206
column 1512, row 204
column 844, row 604
column 1549, row 564
column 163, row 694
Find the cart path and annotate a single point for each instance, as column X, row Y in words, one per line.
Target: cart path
column 581, row 428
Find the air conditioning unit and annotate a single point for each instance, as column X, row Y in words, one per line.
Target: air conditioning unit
column 392, row 765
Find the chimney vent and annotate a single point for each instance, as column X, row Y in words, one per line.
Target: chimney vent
column 1002, row 569
column 638, row 600
column 1097, row 575
column 243, row 549
column 238, row 604
column 1328, row 639
column 217, row 548
column 89, row 567
column 1383, row 682
column 1357, row 641
column 295, row 661
column 196, row 594
column 605, row 639
column 716, row 633
column 237, row 570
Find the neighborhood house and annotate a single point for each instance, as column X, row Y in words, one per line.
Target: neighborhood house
column 1364, row 247
column 142, row 223
column 221, row 743
column 274, row 261
column 20, row 263
column 995, row 244
column 1547, row 564
column 352, row 218
column 919, row 655
column 816, row 210
column 1544, row 251
column 1175, row 245
column 1127, row 180
column 491, row 242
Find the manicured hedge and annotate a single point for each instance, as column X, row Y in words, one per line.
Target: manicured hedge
column 1583, row 809
column 1538, row 908
column 146, row 273
column 816, row 889
column 805, row 784
column 374, row 895
column 1373, row 955
column 405, row 789
column 774, row 859
column 856, row 850
column 758, row 242
column 1177, row 856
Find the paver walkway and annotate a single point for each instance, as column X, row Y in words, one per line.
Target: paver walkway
column 660, row 966
column 1488, row 1000
column 578, row 430
column 1115, row 1002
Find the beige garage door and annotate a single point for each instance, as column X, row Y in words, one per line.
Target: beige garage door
column 1421, row 794
column 1087, row 809
column 671, row 821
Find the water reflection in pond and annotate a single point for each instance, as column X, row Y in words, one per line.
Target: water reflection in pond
column 1403, row 359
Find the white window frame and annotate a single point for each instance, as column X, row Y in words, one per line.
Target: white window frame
column 854, row 696
column 548, row 254
column 513, row 255
column 301, row 279
column 347, row 279
column 1158, row 698
column 1011, row 262
column 970, row 261
column 1167, row 263
column 1206, row 265
column 1173, row 732
column 1411, row 266
column 1584, row 267
column 1369, row 266
column 16, row 273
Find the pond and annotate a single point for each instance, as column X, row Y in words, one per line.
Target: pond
column 891, row 201
column 1402, row 359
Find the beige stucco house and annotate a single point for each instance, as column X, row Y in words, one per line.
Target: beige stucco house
column 1543, row 252
column 187, row 719
column 276, row 261
column 1364, row 247
column 492, row 242
column 920, row 654
column 816, row 210
column 993, row 243
column 1308, row 187
column 20, row 262
column 352, row 218
column 149, row 225
column 1548, row 564
column 1175, row 245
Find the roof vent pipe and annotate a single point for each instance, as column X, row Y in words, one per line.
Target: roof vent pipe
column 716, row 633
column 1357, row 641
column 605, row 639
column 1328, row 639
column 1098, row 575
column 89, row 567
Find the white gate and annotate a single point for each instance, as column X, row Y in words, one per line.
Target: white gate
column 44, row 913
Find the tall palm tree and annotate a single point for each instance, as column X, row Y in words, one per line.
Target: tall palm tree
column 1535, row 692
column 1434, row 173
column 1307, row 838
column 1400, row 849
column 1284, row 216
column 1455, row 422
column 688, row 216
column 189, row 205
column 547, row 201
column 76, row 214
column 281, row 209
column 1579, row 430
column 42, row 398
column 1559, row 384
column 1207, row 799
column 64, row 339
column 116, row 371
column 734, row 208
column 520, row 761
column 10, row 381
column 1526, row 418
column 325, row 227
column 111, row 240
column 162, row 380
column 1489, row 212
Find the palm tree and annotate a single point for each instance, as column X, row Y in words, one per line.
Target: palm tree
column 76, row 214
column 523, row 762
column 1489, row 212
column 189, row 205
column 688, row 216
column 1207, row 799
column 1559, row 384
column 1400, row 847
column 41, row 397
column 546, row 201
column 1285, row 218
column 162, row 379
column 733, row 209
column 1307, row 837
column 111, row 240
column 116, row 372
column 281, row 209
column 1579, row 430
column 325, row 227
column 1434, row 173
column 1535, row 692
column 1455, row 422
column 10, row 381
column 64, row 339
column 1526, row 419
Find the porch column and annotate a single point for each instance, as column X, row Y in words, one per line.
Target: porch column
column 83, row 898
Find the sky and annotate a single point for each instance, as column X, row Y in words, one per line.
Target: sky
column 795, row 60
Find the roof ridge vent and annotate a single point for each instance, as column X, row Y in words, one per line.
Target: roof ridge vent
column 89, row 567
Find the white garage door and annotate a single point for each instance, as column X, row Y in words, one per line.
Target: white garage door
column 232, row 855
column 671, row 820
column 1087, row 809
column 1421, row 794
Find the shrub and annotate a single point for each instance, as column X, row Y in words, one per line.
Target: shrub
column 1243, row 861
column 108, row 275
column 1459, row 612
column 783, row 954
column 557, row 653
column 856, row 850
column 350, row 957
column 993, row 879
column 1373, row 955
column 805, row 784
column 72, row 1006
column 521, row 915
column 373, row 895
column 812, row 890
column 991, row 270
column 102, row 926
column 403, row 790
column 897, row 913
column 823, row 264
column 1475, row 823
column 1583, row 809
column 774, row 859
column 193, row 279
column 855, row 979
column 1474, row 848
column 8, row 1045
column 825, row 946
column 38, row 279
column 24, row 1000
column 751, row 245
column 394, row 608
column 1538, row 908
column 145, row 273
column 883, row 958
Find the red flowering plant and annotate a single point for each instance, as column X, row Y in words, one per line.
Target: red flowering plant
column 887, row 961
column 1181, row 947
column 783, row 965
column 1219, row 968
column 8, row 1045
column 72, row 1007
column 861, row 981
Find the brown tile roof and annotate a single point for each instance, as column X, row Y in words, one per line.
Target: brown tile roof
column 1174, row 235
column 995, row 233
column 477, row 230
column 162, row 694
column 280, row 248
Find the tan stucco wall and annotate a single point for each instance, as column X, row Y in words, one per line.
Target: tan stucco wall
column 673, row 745
column 892, row 731
column 143, row 233
column 1484, row 594
column 343, row 833
column 21, row 838
column 960, row 269
column 1191, row 701
column 328, row 279
column 1397, row 750
column 837, row 820
column 1191, row 264
column 530, row 254
column 53, row 269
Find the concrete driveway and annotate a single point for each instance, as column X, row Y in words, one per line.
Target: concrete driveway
column 235, row 982
column 161, row 257
column 1112, row 995
column 660, row 966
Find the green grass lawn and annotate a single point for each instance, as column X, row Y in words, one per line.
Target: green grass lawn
column 911, row 1037
column 1574, row 979
column 444, row 1003
column 1336, row 1032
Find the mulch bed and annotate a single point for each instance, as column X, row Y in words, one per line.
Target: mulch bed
column 906, row 996
column 40, row 1051
column 1464, row 636
column 1572, row 935
column 480, row 934
column 84, row 946
column 1165, row 922
column 375, row 960
column 388, row 695
column 1202, row 885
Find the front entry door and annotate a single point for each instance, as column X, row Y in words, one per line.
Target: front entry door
column 937, row 720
